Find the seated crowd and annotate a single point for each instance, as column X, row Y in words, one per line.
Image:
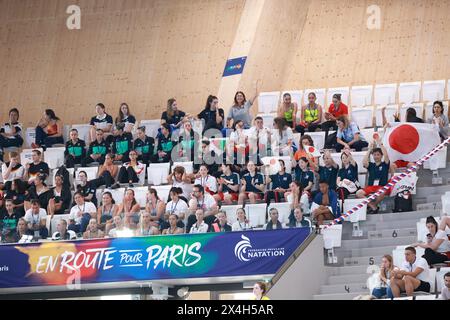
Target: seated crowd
column 223, row 174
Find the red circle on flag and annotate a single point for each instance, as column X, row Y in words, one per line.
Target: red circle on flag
column 375, row 136
column 404, row 139
column 273, row 161
column 311, row 149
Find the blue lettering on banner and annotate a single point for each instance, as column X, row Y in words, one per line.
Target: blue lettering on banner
column 234, row 66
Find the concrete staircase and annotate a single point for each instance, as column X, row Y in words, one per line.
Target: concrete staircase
column 381, row 234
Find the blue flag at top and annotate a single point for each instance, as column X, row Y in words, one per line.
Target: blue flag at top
column 234, row 66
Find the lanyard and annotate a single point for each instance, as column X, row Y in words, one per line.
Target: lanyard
column 35, row 221
column 172, row 208
column 84, row 207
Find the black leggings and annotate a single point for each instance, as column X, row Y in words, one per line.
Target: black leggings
column 128, row 174
column 310, row 128
column 358, row 146
column 434, row 257
column 105, row 179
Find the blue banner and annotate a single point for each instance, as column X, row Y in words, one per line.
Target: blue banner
column 148, row 258
column 234, row 66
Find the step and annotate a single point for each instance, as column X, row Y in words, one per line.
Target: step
column 406, row 224
column 417, row 215
column 430, row 205
column 378, row 251
column 361, row 261
column 348, row 278
column 339, row 271
column 339, row 296
column 392, row 233
column 375, row 243
column 440, row 190
column 344, row 288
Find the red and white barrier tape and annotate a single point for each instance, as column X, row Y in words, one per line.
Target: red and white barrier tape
column 394, row 180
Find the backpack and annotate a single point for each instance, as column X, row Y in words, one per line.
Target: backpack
column 403, row 202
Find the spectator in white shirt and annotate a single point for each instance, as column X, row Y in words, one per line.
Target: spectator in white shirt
column 176, row 205
column 208, row 182
column 201, row 200
column 259, row 140
column 12, row 170
column 274, row 223
column 282, row 138
column 81, row 213
column 200, row 226
column 63, row 233
column 36, row 217
column 178, row 178
column 445, row 293
column 242, row 223
column 413, row 276
column 437, row 243
column 120, row 230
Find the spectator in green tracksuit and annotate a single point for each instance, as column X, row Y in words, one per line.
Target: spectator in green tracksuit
column 122, row 144
column 98, row 149
column 75, row 150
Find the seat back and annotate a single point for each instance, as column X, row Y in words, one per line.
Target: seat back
column 157, row 173
column 268, row 101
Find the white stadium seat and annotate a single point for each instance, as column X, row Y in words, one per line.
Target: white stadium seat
column 344, row 91
column 361, row 96
column 231, row 212
column 318, row 139
column 363, row 117
column 140, row 193
column 157, row 173
column 332, row 236
column 360, row 215
column 433, row 90
column 256, row 214
column 385, row 94
column 268, row 101
column 390, row 111
column 117, row 194
column 439, row 161
column 362, row 179
column 54, row 157
column 151, row 127
column 284, row 210
column 30, row 137
column 163, row 192
column 409, row 92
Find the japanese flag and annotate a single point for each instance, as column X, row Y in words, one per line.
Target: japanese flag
column 410, row 141
column 312, row 151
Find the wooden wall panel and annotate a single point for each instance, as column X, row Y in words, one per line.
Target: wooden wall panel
column 139, row 51
column 337, row 49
